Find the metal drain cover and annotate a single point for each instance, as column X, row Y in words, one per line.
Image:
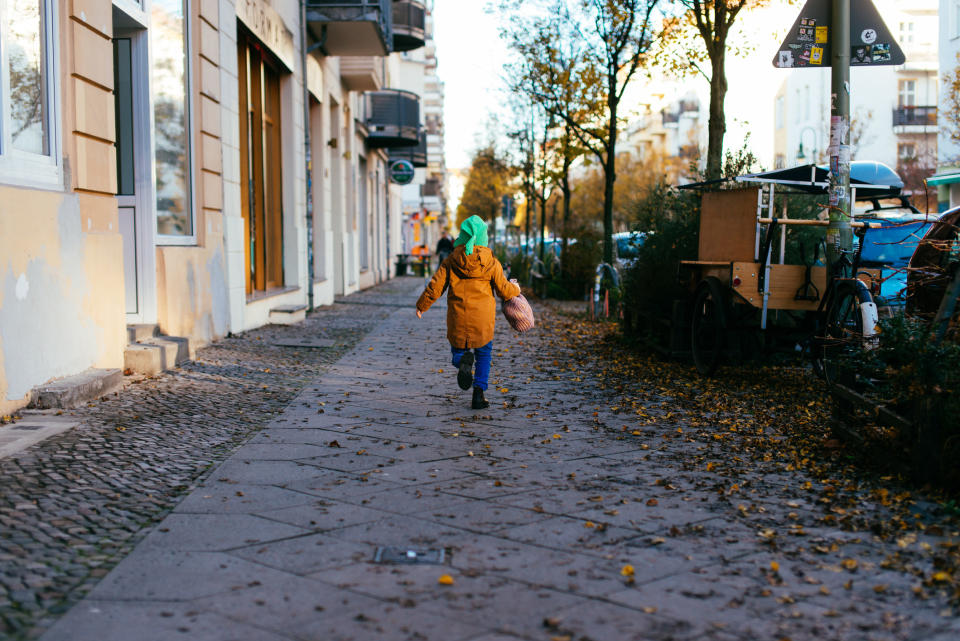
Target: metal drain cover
column 305, row 343
column 394, row 555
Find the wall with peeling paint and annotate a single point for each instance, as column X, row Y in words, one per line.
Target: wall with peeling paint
column 61, row 292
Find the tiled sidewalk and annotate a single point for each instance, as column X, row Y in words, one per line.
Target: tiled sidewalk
column 552, row 527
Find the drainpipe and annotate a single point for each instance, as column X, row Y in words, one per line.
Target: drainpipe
column 308, row 157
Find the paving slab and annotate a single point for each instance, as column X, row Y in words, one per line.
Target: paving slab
column 555, row 521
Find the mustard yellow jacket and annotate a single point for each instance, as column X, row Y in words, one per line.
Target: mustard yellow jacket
column 470, row 282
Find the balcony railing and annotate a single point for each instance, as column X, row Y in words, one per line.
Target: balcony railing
column 351, row 27
column 915, row 116
column 416, row 155
column 409, row 25
column 392, row 118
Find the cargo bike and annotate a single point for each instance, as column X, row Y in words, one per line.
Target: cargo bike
column 745, row 297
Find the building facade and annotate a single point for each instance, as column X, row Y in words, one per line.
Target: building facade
column 947, row 180
column 893, row 108
column 424, row 200
column 188, row 169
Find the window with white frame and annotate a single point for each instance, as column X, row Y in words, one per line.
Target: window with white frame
column 29, row 140
column 906, row 150
column 906, row 33
column 907, row 93
column 170, row 84
column 779, row 114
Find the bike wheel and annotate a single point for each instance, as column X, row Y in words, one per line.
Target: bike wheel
column 844, row 330
column 708, row 325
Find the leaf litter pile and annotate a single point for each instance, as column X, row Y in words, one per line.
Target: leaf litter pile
column 759, row 438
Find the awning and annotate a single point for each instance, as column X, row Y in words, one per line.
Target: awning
column 945, row 178
column 870, row 179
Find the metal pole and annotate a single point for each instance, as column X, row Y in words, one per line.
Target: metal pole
column 308, row 159
column 839, row 232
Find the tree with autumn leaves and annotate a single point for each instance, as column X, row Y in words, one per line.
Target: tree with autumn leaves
column 489, row 179
column 576, row 58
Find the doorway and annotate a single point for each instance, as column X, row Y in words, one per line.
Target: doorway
column 134, row 184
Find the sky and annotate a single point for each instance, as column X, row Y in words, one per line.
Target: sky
column 470, row 59
column 471, row 55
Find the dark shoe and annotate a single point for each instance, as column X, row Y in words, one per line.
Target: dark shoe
column 465, row 373
column 479, row 402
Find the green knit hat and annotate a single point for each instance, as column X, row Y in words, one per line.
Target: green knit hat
column 473, row 231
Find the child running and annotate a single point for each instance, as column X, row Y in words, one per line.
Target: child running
column 470, row 275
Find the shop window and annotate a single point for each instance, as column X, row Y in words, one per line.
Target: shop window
column 28, row 140
column 260, row 165
column 170, row 82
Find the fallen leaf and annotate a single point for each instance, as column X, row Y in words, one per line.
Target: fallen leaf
column 445, row 579
column 627, row 570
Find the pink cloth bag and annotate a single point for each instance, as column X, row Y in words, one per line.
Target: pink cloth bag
column 518, row 313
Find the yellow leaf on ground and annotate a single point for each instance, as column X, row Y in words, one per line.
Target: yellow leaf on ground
column 850, row 564
column 627, row 570
column 445, row 579
column 774, row 566
column 941, row 577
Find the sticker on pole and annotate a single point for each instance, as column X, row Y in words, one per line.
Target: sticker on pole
column 809, row 41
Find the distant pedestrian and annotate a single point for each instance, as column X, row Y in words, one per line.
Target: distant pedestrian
column 470, row 276
column 444, row 247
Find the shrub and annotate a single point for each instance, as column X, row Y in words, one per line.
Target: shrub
column 919, row 379
column 671, row 218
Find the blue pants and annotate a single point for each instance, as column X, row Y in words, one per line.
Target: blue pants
column 483, row 356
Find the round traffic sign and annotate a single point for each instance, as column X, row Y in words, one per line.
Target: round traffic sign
column 402, row 172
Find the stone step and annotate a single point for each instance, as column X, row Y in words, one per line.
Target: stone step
column 157, row 354
column 76, row 390
column 141, row 332
column 288, row 314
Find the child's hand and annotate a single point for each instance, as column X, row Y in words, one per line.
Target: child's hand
column 419, row 314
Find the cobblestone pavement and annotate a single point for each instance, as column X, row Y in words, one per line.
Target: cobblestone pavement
column 73, row 506
column 556, row 520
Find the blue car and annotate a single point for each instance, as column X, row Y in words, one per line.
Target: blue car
column 890, row 247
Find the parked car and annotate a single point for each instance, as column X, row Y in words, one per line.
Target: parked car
column 890, row 248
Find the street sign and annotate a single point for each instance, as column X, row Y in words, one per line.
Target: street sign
column 809, row 43
column 402, row 172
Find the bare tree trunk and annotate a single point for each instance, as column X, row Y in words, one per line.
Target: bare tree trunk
column 609, row 177
column 717, row 125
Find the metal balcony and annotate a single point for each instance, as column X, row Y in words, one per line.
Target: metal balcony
column 392, row 118
column 915, row 117
column 409, row 25
column 350, row 27
column 416, row 155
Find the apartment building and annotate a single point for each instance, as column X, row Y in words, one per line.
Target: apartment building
column 174, row 170
column 424, row 198
column 947, row 178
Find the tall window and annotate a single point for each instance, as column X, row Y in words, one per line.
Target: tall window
column 260, row 165
column 170, row 80
column 779, row 112
column 906, row 33
column 907, row 93
column 28, row 78
column 906, row 150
